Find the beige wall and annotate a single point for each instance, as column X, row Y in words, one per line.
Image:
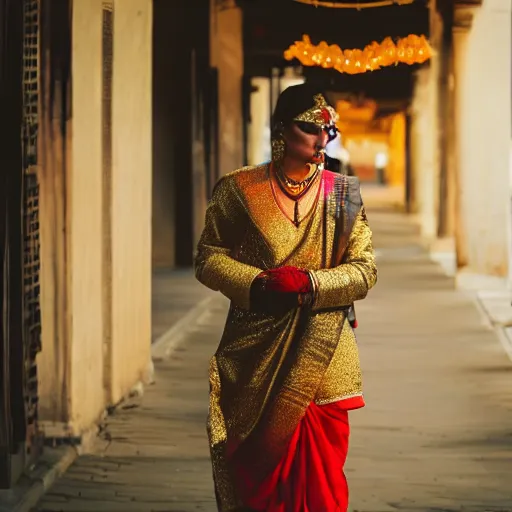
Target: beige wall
column 423, row 142
column 54, row 156
column 85, row 217
column 227, row 56
column 70, row 364
column 132, row 190
column 483, row 132
column 79, row 376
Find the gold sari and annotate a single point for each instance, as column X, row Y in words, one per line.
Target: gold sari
column 268, row 368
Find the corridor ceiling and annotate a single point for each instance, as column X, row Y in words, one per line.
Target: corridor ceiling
column 271, row 26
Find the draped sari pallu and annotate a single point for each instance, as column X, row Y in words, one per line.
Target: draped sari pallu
column 280, row 385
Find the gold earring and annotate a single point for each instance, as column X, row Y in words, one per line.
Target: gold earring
column 278, row 147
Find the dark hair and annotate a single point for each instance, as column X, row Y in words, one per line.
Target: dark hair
column 293, row 101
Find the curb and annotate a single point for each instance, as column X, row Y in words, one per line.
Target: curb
column 503, row 331
column 486, row 318
column 505, row 337
column 30, row 493
column 164, row 345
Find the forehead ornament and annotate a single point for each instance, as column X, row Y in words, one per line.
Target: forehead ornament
column 321, row 113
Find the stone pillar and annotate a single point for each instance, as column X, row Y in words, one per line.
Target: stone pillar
column 85, row 222
column 448, row 225
column 447, row 184
column 395, row 173
column 441, row 243
column 423, row 141
column 510, row 230
column 259, row 129
column 227, row 56
column 483, row 135
column 414, row 162
column 425, row 138
column 131, row 194
column 54, row 141
column 462, row 25
column 95, row 344
column 70, row 365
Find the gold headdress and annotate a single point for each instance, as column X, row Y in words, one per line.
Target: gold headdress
column 321, row 114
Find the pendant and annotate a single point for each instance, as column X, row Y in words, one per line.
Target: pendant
column 296, row 214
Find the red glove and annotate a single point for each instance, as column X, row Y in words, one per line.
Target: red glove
column 287, row 280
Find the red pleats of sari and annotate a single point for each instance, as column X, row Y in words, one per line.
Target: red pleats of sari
column 310, row 477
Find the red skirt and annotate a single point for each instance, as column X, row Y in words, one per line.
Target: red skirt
column 309, row 477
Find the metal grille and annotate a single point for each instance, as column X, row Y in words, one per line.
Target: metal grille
column 30, row 80
column 31, row 262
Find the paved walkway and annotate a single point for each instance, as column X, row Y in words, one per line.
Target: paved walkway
column 435, row 436
column 174, row 293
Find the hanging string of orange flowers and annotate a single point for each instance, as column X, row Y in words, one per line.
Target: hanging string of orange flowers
column 410, row 50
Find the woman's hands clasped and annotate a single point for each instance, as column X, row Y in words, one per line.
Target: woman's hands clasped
column 278, row 290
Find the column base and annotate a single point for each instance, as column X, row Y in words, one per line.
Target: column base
column 472, row 281
column 442, row 251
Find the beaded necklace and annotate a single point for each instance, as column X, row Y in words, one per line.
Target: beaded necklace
column 295, row 190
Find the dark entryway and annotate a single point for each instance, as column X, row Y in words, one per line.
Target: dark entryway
column 19, row 236
column 12, row 409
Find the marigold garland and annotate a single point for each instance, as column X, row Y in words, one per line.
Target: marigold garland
column 410, row 50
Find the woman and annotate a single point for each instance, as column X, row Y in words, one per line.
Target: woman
column 289, row 244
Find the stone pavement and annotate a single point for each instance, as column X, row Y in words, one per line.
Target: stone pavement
column 175, row 292
column 436, row 434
